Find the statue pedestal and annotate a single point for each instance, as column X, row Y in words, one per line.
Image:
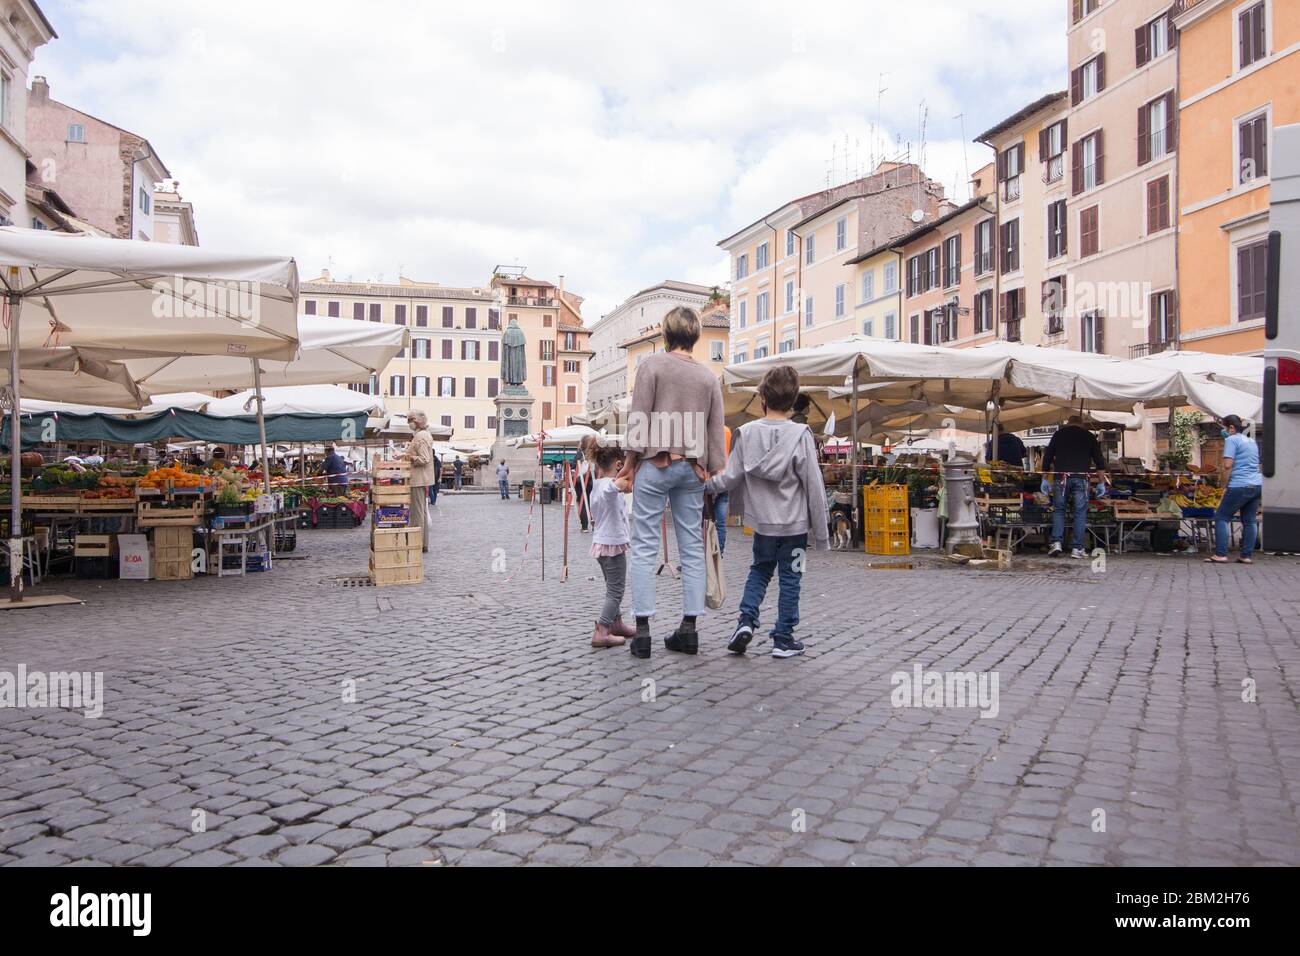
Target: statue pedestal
column 514, row 420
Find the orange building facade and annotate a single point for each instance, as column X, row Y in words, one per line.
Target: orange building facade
column 1238, row 80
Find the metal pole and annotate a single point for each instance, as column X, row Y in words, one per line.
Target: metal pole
column 15, row 449
column 261, row 436
column 857, row 498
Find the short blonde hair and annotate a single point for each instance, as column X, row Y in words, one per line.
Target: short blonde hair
column 681, row 328
column 415, row 416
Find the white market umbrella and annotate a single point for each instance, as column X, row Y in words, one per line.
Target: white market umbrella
column 297, row 399
column 65, row 375
column 330, row 350
column 130, row 297
column 1242, row 372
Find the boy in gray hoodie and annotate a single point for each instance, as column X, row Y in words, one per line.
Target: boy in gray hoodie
column 785, row 503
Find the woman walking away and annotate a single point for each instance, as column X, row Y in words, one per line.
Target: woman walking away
column 775, row 459
column 675, row 442
column 609, row 543
column 1243, row 486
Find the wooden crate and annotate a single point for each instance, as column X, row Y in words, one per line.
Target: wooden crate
column 386, row 560
column 94, row 546
column 386, row 577
column 51, row 502
column 396, row 539
column 151, row 515
column 107, row 505
column 391, row 471
column 173, row 537
column 390, row 494
column 173, row 565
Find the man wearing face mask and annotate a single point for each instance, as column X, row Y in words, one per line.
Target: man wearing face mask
column 1243, row 487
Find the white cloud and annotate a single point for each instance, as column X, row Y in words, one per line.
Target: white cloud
column 612, row 143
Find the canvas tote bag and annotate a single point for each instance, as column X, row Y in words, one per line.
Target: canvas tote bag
column 715, row 588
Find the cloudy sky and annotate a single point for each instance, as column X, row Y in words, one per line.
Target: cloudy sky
column 612, row 142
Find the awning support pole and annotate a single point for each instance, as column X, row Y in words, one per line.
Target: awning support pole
column 857, row 498
column 15, row 303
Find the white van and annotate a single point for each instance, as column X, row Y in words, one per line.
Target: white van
column 1280, row 443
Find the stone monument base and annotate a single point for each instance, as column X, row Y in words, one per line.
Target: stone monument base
column 514, row 419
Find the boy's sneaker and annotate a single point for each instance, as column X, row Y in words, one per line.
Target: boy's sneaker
column 786, row 647
column 740, row 640
column 1078, row 553
column 1055, row 551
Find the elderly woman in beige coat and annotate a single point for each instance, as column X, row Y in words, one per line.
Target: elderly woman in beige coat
column 419, row 452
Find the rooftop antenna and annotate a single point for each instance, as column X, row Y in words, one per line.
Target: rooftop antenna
column 880, row 95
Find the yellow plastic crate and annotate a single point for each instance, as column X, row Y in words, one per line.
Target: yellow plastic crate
column 888, row 542
column 884, row 497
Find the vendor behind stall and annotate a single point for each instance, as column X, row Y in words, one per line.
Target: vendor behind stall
column 1072, row 451
column 1011, row 450
column 334, row 468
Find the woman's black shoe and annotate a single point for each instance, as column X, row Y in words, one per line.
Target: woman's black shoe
column 684, row 640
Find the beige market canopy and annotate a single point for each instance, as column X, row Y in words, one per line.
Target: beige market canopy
column 330, row 350
column 64, row 375
column 148, row 298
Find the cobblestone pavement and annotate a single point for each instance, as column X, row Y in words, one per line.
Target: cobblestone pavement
column 486, row 730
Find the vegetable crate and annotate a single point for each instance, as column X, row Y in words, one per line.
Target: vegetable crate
column 395, row 556
column 390, row 495
column 94, row 546
column 173, row 551
column 390, row 472
column 151, row 514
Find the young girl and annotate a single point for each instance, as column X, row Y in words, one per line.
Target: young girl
column 609, row 541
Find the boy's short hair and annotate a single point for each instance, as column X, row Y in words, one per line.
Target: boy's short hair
column 681, row 328
column 779, row 388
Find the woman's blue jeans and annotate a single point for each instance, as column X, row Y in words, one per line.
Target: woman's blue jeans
column 654, row 488
column 1246, row 500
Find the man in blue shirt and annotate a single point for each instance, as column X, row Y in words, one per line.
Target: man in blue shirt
column 334, row 467
column 1243, row 488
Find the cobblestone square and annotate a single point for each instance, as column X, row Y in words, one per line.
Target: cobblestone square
column 467, row 721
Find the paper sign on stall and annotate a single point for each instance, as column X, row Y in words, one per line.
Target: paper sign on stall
column 133, row 557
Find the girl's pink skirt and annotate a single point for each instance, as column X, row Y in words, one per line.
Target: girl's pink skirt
column 607, row 550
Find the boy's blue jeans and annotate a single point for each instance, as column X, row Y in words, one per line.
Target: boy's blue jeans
column 785, row 555
column 1245, row 500
column 720, row 503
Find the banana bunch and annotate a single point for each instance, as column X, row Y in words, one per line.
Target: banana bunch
column 1203, row 497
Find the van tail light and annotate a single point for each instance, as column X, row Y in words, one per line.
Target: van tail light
column 1288, row 371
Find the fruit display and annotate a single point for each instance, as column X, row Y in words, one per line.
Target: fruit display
column 1203, row 497
column 170, row 477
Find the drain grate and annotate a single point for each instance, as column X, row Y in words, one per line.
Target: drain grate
column 350, row 581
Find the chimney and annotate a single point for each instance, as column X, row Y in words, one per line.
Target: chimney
column 40, row 94
column 325, row 275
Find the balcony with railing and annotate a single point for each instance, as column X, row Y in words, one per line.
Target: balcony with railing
column 1054, row 168
column 527, row 300
column 1149, row 348
column 1011, row 189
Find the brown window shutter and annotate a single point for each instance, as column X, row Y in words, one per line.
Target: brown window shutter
column 1076, row 86
column 1152, row 204
column 1101, row 71
column 1076, row 168
column 1065, row 131
column 1171, row 121
column 452, row 380
column 1142, row 44
column 1144, row 135
column 1002, row 166
column 1245, row 287
column 1101, row 331
column 1020, row 157
column 1002, row 248
column 928, row 318
column 1261, row 146
column 1076, row 12
column 1101, row 156
column 1170, row 30
column 956, row 266
column 1042, row 143
column 1153, row 314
